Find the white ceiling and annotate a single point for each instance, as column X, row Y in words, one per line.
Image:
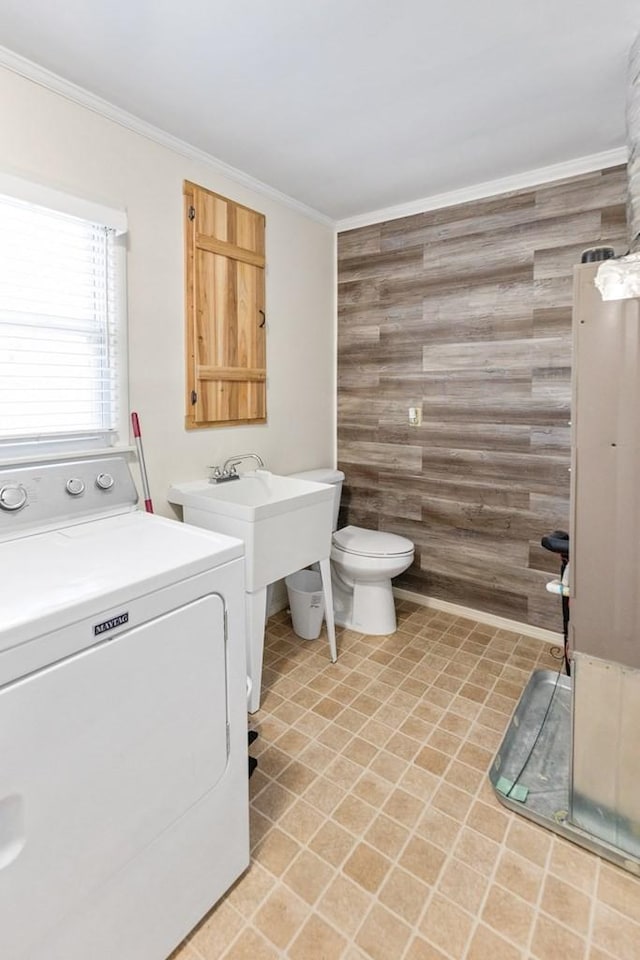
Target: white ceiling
column 350, row 106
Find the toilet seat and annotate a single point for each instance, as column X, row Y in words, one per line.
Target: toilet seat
column 371, row 543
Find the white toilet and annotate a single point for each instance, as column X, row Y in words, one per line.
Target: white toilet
column 362, row 565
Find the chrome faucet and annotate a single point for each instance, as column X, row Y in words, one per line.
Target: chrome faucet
column 233, row 462
column 229, row 472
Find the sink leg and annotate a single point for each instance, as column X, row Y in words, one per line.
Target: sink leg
column 256, row 609
column 325, row 572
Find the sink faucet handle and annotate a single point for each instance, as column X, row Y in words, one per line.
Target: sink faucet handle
column 233, row 462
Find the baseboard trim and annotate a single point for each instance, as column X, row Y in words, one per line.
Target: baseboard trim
column 279, row 601
column 503, row 623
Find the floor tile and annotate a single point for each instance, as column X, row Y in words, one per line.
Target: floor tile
column 508, row 915
column 447, row 926
column 617, row 889
column 422, row 859
column 404, row 894
column 519, row 875
column 217, row 933
column 251, row 946
column 375, row 832
column 486, row 944
column 332, row 842
column 317, row 941
column 344, row 904
column 463, row 885
column 566, row 904
column 308, row 875
column 367, row 867
column 382, row 934
column 616, row 933
column 280, row 916
column 551, row 939
column 276, row 851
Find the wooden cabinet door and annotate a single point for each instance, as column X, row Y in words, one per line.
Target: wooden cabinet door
column 225, row 305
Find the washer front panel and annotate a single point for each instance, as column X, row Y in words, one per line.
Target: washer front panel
column 101, row 754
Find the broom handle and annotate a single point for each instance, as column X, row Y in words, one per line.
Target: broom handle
column 135, row 422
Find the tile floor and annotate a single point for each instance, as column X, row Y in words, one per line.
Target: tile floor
column 375, row 832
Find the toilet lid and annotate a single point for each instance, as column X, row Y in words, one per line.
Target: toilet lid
column 371, row 543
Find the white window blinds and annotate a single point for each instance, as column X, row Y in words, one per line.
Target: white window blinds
column 59, row 330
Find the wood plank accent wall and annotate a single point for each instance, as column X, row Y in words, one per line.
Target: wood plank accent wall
column 465, row 312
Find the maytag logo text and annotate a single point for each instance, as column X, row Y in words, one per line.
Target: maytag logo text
column 110, row 624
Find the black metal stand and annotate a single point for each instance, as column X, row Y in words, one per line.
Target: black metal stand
column 558, row 542
column 565, row 624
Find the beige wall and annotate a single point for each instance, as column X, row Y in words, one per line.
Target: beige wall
column 68, row 147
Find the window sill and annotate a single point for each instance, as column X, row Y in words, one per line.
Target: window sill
column 68, row 455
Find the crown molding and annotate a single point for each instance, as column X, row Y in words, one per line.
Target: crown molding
column 71, row 91
column 491, row 188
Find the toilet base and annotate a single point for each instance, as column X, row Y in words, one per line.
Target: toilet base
column 367, row 608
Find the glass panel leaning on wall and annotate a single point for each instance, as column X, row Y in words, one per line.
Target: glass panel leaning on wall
column 62, row 329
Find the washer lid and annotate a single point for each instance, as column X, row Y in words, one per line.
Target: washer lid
column 59, row 577
column 371, row 543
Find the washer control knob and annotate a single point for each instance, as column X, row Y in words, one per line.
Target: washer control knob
column 105, row 481
column 13, row 496
column 75, row 486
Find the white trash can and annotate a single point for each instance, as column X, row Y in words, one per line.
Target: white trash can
column 306, row 602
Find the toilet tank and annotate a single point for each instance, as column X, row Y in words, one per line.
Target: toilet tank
column 326, row 475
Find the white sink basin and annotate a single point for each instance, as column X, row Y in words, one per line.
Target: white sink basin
column 285, row 522
column 253, row 497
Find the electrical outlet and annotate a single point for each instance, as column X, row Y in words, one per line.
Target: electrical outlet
column 415, row 416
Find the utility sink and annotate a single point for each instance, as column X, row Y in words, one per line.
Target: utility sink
column 285, row 523
column 253, row 497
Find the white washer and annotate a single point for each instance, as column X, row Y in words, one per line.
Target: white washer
column 123, row 730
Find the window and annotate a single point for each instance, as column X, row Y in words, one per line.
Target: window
column 62, row 383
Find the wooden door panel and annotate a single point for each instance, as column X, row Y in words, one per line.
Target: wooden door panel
column 226, row 343
column 211, row 215
column 249, row 230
